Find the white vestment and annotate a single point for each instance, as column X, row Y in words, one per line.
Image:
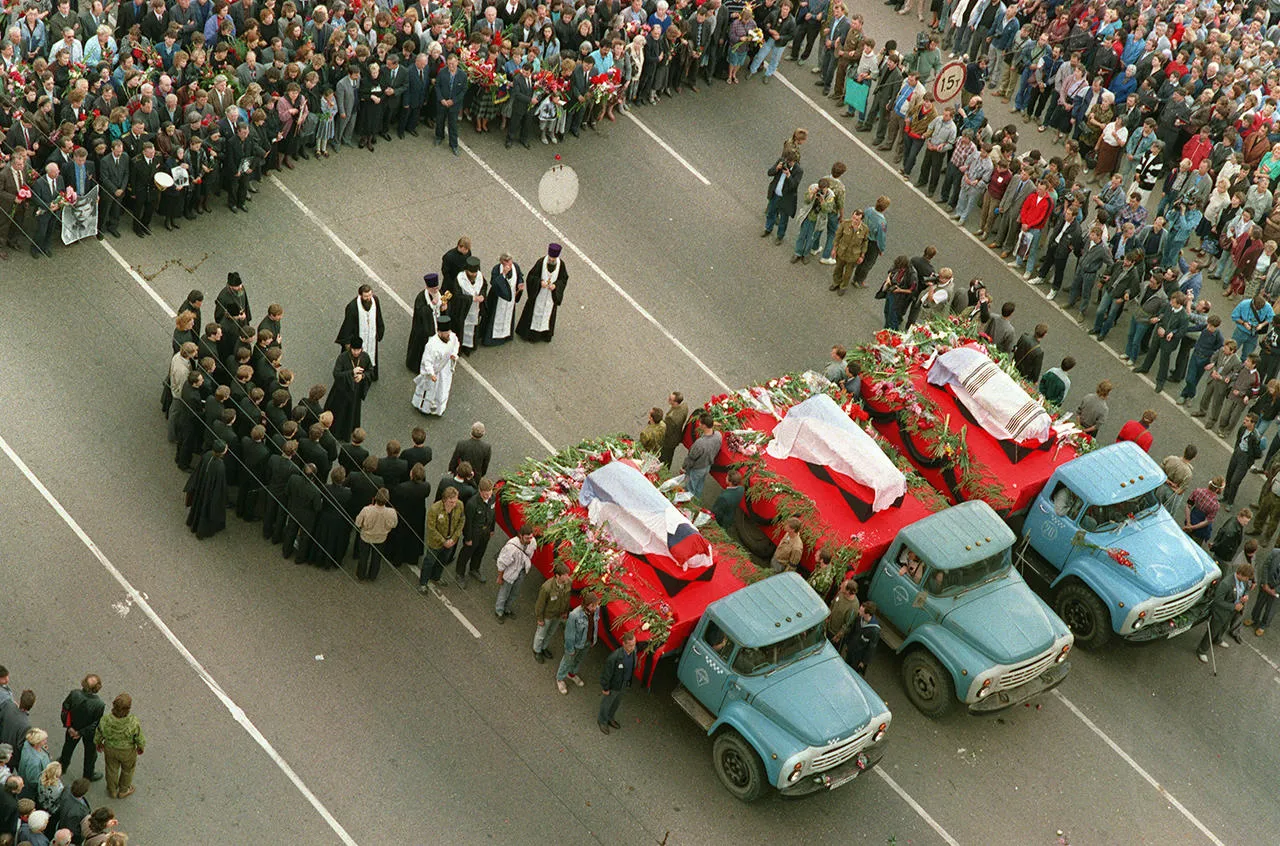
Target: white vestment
column 504, row 311
column 544, row 299
column 438, row 359
column 367, row 324
column 473, row 290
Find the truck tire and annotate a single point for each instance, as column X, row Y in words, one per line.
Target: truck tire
column 928, row 684
column 1084, row 613
column 738, row 766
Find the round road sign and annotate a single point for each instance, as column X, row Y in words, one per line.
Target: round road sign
column 949, row 81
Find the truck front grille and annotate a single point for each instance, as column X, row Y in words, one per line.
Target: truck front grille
column 1026, row 672
column 1173, row 607
column 834, row 756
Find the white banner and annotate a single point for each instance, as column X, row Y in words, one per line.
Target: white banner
column 80, row 219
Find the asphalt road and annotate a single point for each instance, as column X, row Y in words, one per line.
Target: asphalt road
column 306, row 703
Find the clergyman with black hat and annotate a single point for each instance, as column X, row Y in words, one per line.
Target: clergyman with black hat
column 435, row 376
column 468, row 291
column 546, row 282
column 232, row 292
column 426, row 308
column 207, row 493
column 350, row 387
column 363, row 319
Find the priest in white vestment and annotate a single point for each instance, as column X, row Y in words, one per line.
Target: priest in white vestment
column 435, row 376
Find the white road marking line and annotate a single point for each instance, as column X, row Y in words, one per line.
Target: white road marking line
column 408, row 309
column 137, row 277
column 910, row 185
column 599, row 271
column 1270, row 663
column 137, row 598
column 664, row 145
column 915, row 806
column 1115, row 747
column 417, row 573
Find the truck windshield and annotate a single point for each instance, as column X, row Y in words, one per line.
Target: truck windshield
column 944, row 582
column 752, row 660
column 1102, row 518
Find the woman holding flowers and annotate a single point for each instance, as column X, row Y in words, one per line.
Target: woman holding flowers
column 740, row 40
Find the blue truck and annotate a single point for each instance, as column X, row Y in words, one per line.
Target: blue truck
column 968, row 628
column 782, row 707
column 1116, row 561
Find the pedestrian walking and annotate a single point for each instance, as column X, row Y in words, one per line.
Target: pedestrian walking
column 580, row 633
column 121, row 741
column 81, row 710
column 551, row 609
column 514, row 561
column 616, row 676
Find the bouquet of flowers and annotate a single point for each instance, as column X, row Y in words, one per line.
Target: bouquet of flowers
column 755, row 38
column 604, row 85
column 24, row 193
column 480, row 72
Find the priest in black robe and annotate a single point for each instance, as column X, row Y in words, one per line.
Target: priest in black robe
column 207, row 493
column 425, row 308
column 350, row 387
column 333, row 526
column 363, row 319
column 546, row 282
column 454, row 262
column 232, row 292
column 497, row 317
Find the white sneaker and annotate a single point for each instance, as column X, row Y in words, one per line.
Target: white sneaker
column 827, row 261
column 1034, row 280
column 560, row 686
column 1051, row 295
column 1222, row 644
column 577, row 680
column 1204, row 659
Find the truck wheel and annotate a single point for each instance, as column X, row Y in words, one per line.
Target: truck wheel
column 929, row 685
column 738, row 766
column 1084, row 613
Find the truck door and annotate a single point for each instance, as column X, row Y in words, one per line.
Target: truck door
column 898, row 595
column 1051, row 524
column 705, row 667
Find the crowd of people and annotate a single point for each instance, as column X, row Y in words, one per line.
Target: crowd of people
column 165, row 106
column 37, row 806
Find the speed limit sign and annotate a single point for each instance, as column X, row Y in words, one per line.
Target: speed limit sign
column 948, row 82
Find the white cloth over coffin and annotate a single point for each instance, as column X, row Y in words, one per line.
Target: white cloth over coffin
column 820, row 432
column 626, row 505
column 995, row 400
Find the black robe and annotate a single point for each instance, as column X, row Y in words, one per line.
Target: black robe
column 346, row 394
column 460, row 305
column 451, row 264
column 350, row 330
column 409, row 499
column 499, row 289
column 524, row 327
column 333, row 526
column 421, row 329
column 207, row 497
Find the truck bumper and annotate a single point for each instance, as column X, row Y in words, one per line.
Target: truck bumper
column 1042, row 683
column 1172, row 628
column 837, row 776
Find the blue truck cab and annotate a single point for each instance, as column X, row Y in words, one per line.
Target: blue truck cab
column 967, row 626
column 784, row 709
column 1117, row 561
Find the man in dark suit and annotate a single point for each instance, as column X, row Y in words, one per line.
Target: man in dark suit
column 128, row 15
column 473, row 450
column 521, row 99
column 397, row 79
column 12, row 177
column 81, row 710
column 615, row 677
column 142, row 185
column 451, row 87
column 46, row 199
column 416, row 87
column 419, row 453
column 1028, row 353
column 1063, row 238
column 351, row 455
column 22, row 134
column 237, row 163
column 82, row 177
column 114, row 178
column 72, row 808
column 579, row 82
column 393, row 469
column 784, row 181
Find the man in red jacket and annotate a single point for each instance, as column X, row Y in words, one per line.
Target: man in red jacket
column 1199, row 147
column 1139, row 431
column 1034, row 217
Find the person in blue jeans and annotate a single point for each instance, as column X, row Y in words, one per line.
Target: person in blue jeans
column 784, row 181
column 779, row 32
column 1209, row 342
column 1250, row 318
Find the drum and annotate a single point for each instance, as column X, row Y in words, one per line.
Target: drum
column 163, row 181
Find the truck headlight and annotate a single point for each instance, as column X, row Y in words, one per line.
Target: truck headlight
column 879, row 735
column 795, row 772
column 1062, row 656
column 1141, row 621
column 985, row 689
